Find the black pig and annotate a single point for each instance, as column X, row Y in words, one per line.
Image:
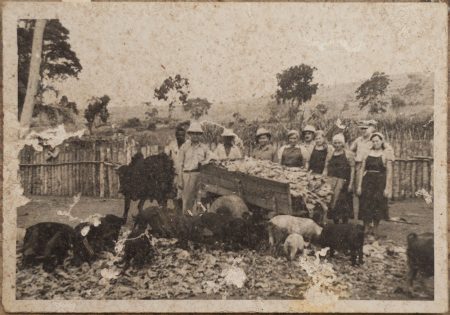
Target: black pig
column 47, row 243
column 344, row 237
column 149, row 178
column 99, row 238
column 138, row 249
column 168, row 224
column 420, row 254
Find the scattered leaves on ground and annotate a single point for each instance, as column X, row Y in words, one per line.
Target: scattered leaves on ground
column 216, row 274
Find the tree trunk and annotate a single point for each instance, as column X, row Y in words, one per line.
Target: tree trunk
column 33, row 77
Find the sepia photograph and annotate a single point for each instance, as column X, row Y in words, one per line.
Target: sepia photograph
column 225, row 157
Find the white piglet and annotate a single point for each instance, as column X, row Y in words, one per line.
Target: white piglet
column 293, row 244
column 281, row 226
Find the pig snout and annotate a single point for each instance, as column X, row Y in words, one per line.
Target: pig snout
column 293, row 244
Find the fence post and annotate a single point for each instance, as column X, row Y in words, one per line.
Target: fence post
column 109, row 169
column 102, row 174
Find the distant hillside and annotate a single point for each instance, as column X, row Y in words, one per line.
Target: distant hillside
column 340, row 100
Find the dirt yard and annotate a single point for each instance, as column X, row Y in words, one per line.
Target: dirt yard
column 202, row 273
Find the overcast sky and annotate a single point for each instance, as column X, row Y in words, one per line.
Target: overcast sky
column 233, row 51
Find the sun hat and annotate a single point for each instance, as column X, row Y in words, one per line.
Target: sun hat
column 195, row 127
column 309, row 128
column 262, row 131
column 292, row 133
column 227, row 133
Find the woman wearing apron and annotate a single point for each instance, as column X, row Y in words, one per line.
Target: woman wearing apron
column 340, row 164
column 292, row 154
column 264, row 149
column 319, row 154
column 375, row 185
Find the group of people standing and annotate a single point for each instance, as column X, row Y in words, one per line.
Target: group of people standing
column 362, row 170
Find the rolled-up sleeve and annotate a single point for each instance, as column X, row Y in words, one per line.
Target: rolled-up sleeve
column 389, row 152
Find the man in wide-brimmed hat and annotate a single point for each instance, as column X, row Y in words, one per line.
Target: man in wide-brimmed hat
column 264, row 150
column 228, row 150
column 308, row 135
column 362, row 145
column 192, row 154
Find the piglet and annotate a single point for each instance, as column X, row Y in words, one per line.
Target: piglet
column 420, row 254
column 293, row 244
column 344, row 237
column 138, row 249
column 281, row 226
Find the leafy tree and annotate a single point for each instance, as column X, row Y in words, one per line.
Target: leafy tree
column 59, row 61
column 295, row 87
column 370, row 93
column 97, row 108
column 197, row 107
column 174, row 90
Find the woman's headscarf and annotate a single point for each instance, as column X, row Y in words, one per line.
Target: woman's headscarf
column 339, row 137
column 292, row 133
column 377, row 134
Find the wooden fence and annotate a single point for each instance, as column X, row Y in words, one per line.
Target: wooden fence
column 88, row 167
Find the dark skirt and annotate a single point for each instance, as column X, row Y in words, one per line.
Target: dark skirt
column 373, row 205
column 343, row 208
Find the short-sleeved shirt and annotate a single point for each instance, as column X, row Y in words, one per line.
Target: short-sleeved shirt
column 221, row 154
column 191, row 155
column 268, row 152
column 361, row 147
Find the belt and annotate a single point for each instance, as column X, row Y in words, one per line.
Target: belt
column 370, row 171
column 191, row 171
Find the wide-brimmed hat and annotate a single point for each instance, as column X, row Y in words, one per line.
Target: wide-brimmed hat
column 262, row 131
column 195, row 127
column 292, row 133
column 228, row 133
column 309, row 128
